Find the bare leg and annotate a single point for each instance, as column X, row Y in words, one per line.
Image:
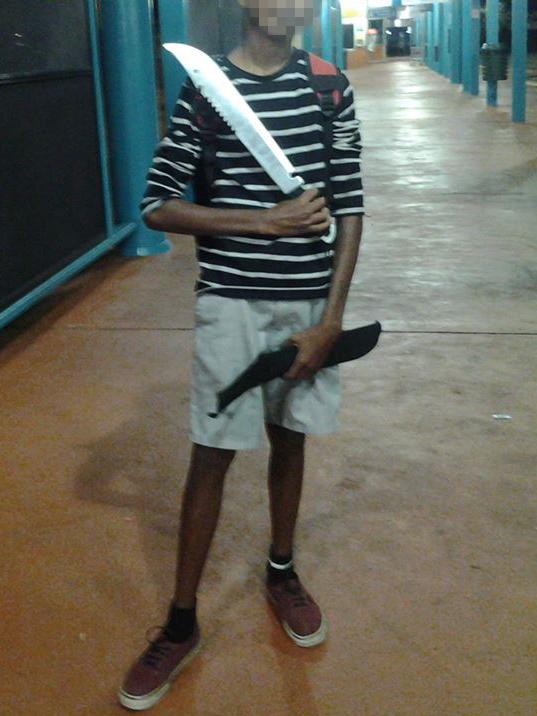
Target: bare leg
column 286, row 471
column 200, row 510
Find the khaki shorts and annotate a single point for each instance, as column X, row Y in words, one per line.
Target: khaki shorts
column 230, row 333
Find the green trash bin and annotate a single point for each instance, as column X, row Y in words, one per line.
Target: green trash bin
column 494, row 62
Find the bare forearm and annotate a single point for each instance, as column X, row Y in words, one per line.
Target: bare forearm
column 182, row 217
column 348, row 240
column 306, row 215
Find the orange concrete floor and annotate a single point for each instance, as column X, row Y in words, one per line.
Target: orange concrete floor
column 418, row 527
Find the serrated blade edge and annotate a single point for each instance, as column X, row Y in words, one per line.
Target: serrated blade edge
column 218, row 89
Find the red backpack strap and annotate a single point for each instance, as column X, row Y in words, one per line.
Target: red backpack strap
column 326, row 79
column 328, row 84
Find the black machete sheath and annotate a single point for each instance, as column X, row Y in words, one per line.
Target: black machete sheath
column 350, row 346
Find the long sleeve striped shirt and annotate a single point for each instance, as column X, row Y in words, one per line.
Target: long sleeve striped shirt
column 288, row 267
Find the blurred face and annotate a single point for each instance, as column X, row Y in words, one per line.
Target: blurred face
column 280, row 17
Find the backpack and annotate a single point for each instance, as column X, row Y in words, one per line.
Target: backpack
column 326, row 80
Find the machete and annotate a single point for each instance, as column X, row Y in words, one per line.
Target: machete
column 219, row 90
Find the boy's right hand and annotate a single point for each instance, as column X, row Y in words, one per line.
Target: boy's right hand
column 293, row 217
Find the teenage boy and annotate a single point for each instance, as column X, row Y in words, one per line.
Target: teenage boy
column 267, row 276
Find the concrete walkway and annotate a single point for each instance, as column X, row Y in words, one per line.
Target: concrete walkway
column 418, row 528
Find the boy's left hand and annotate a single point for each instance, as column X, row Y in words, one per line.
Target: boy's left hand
column 314, row 344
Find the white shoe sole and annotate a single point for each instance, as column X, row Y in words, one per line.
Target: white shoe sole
column 310, row 639
column 141, row 703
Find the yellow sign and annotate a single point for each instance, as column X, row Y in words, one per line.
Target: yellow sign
column 353, row 8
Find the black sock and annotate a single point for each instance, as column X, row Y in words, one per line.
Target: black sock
column 275, row 575
column 180, row 624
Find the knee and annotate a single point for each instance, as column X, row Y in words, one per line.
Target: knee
column 209, row 464
column 281, row 438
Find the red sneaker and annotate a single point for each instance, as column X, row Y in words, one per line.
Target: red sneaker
column 297, row 611
column 151, row 676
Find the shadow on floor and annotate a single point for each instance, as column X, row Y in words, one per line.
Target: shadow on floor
column 139, row 470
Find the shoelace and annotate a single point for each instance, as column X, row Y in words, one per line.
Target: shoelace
column 158, row 649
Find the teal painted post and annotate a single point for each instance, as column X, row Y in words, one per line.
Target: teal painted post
column 441, row 31
column 433, row 39
column 474, row 47
column 444, row 41
column 424, row 20
column 129, row 70
column 519, row 57
column 441, row 37
column 326, row 30
column 308, row 38
column 470, row 46
column 424, row 38
column 430, row 40
column 493, row 26
column 449, row 33
column 174, row 23
column 423, row 35
column 340, row 52
column 101, row 117
column 466, row 15
column 456, row 41
column 436, row 31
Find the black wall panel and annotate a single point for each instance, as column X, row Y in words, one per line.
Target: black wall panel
column 51, row 207
column 51, row 204
column 43, row 36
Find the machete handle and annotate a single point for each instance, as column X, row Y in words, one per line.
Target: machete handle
column 328, row 238
column 296, row 193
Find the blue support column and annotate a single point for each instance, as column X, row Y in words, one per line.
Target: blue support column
column 474, row 58
column 129, row 69
column 456, row 41
column 326, row 30
column 174, row 23
column 519, row 57
column 308, row 38
column 466, row 43
column 430, row 40
column 340, row 52
column 436, row 36
column 424, row 28
column 493, row 25
column 423, row 36
column 93, row 23
column 444, row 39
column 470, row 46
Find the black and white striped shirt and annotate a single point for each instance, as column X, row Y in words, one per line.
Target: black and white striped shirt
column 289, row 267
